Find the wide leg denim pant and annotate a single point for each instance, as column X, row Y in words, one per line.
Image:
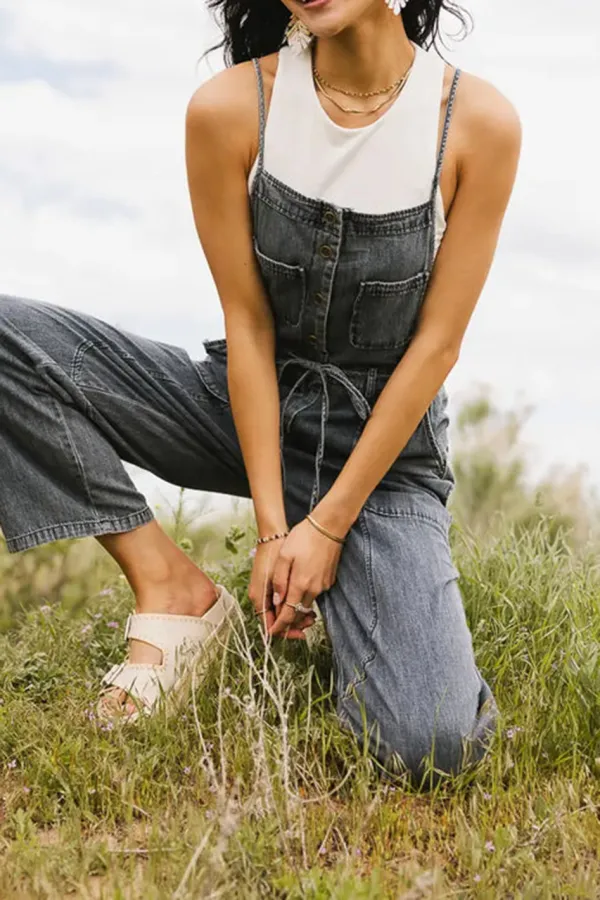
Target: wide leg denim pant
column 77, row 397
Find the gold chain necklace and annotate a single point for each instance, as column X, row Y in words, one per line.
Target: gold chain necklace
column 377, row 93
column 359, row 112
column 396, row 88
column 356, row 93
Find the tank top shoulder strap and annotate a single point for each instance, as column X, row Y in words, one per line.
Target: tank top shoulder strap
column 262, row 113
column 448, row 119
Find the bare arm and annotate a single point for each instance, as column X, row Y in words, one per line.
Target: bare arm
column 490, row 139
column 221, row 116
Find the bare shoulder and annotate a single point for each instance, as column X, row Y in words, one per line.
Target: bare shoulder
column 489, row 121
column 224, row 109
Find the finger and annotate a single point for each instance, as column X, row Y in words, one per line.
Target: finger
column 280, row 578
column 266, row 618
column 286, row 618
column 298, row 629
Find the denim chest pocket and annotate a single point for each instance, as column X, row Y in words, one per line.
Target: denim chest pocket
column 384, row 313
column 286, row 287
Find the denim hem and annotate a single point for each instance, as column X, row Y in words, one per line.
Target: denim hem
column 87, row 528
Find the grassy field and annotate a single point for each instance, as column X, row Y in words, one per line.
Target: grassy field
column 252, row 790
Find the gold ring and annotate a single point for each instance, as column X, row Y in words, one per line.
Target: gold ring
column 300, row 609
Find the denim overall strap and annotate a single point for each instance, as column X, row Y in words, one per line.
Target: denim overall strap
column 262, row 111
column 440, row 161
column 444, row 141
column 325, row 371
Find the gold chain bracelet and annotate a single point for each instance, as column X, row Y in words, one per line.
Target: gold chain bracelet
column 324, row 531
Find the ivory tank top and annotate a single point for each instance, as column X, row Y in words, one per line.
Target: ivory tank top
column 386, row 166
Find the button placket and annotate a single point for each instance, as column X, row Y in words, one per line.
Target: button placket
column 327, row 251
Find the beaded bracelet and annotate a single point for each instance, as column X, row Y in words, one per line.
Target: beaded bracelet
column 272, row 537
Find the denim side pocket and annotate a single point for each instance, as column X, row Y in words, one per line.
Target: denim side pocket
column 212, row 370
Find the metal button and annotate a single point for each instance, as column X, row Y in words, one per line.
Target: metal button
column 320, row 297
column 326, row 251
column 329, row 216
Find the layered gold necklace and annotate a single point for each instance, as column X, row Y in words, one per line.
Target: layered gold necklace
column 392, row 91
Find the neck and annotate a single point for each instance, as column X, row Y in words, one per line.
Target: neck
column 370, row 54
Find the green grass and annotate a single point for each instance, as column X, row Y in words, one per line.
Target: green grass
column 253, row 790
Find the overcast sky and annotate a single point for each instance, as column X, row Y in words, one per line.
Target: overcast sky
column 95, row 213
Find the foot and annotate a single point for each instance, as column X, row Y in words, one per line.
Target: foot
column 189, row 593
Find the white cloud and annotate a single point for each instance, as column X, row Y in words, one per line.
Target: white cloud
column 96, row 214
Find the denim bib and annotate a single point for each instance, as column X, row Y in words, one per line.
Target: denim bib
column 346, row 289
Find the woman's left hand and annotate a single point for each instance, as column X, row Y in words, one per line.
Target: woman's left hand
column 306, row 566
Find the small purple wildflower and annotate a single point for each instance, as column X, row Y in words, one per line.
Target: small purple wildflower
column 12, row 764
column 45, row 609
column 489, row 846
column 510, row 733
column 26, row 790
column 322, row 850
column 86, row 629
column 112, row 624
column 487, row 796
column 477, row 877
column 109, row 726
column 187, row 770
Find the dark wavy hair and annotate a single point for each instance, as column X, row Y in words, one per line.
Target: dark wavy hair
column 256, row 27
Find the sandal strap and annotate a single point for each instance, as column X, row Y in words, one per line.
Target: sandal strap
column 141, row 683
column 166, row 632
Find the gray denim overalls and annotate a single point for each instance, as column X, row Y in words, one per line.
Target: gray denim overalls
column 78, row 396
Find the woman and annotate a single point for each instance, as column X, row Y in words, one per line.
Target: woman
column 348, row 188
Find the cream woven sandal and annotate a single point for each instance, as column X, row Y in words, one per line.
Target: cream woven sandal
column 183, row 640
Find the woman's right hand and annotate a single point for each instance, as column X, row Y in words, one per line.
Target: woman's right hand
column 260, row 590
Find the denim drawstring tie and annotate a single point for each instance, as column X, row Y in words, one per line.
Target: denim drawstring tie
column 325, row 371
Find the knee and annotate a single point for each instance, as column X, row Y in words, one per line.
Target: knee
column 421, row 751
column 424, row 755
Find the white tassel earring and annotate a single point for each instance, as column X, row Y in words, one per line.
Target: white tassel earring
column 298, row 35
column 397, row 6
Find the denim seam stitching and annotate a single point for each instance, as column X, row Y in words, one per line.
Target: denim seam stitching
column 441, row 462
column 403, row 514
column 300, row 409
column 370, row 657
column 60, row 525
column 367, row 219
column 77, row 362
column 75, row 455
column 210, row 387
